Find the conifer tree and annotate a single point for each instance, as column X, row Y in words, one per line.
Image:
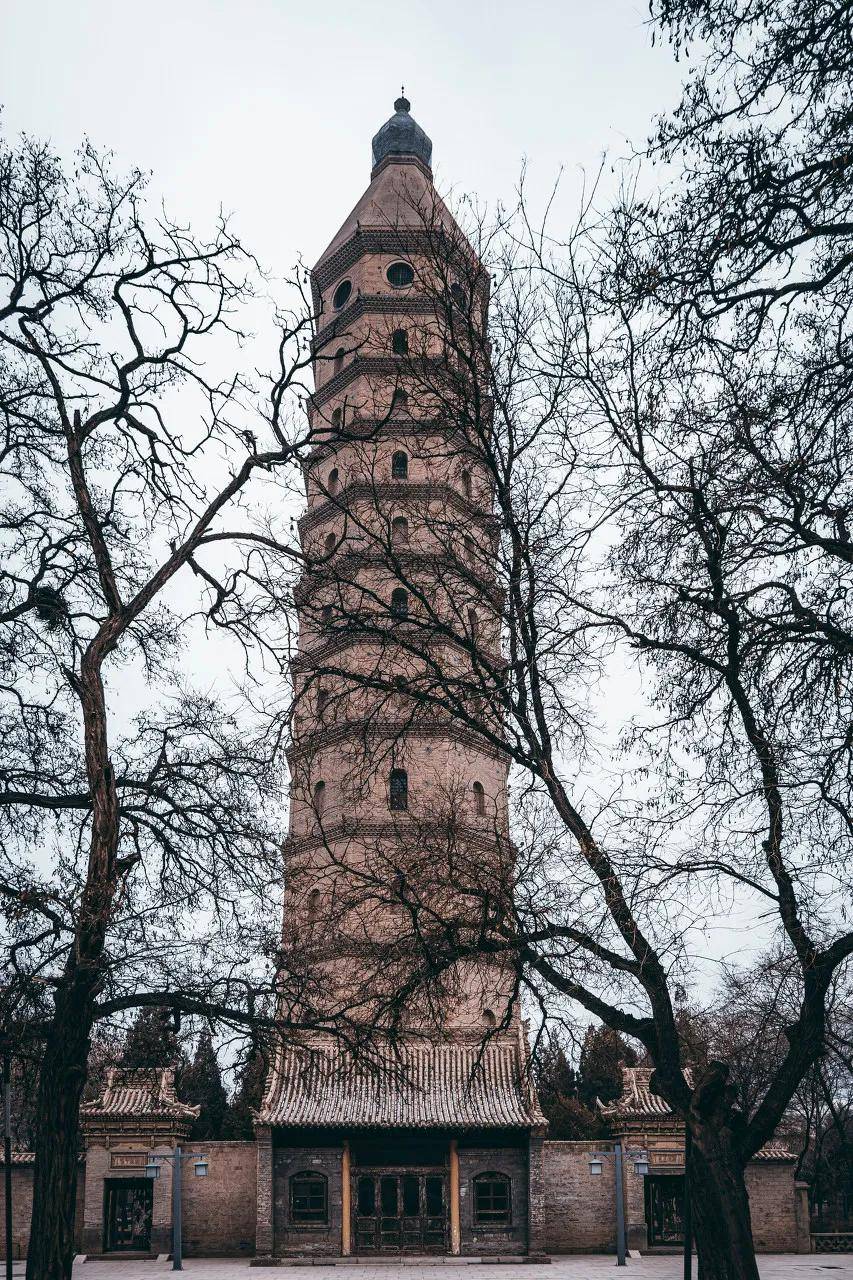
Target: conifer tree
column 152, row 1041
column 201, row 1083
column 247, row 1095
column 603, row 1054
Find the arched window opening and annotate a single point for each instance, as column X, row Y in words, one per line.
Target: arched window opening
column 473, row 622
column 400, row 465
column 489, row 1018
column 333, row 483
column 400, row 342
column 339, row 360
column 398, row 790
column 313, row 905
column 466, row 483
column 399, row 530
column 322, row 700
column 329, row 543
column 399, row 603
column 400, row 275
column 326, row 615
column 341, row 295
column 459, row 296
column 479, row 799
column 337, row 417
column 492, row 1200
column 319, row 797
column 399, row 400
column 309, row 1198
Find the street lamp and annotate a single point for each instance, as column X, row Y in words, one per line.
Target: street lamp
column 152, row 1169
column 641, row 1166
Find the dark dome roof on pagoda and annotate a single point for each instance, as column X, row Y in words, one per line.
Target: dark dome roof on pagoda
column 401, row 136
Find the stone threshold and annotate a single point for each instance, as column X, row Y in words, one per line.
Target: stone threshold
column 408, row 1260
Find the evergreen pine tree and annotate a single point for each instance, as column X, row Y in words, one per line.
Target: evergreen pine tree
column 248, row 1094
column 152, row 1041
column 201, row 1083
column 557, row 1088
column 603, row 1054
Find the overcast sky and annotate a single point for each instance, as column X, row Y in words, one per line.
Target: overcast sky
column 268, row 106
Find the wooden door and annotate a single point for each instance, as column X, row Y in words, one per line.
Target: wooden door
column 127, row 1214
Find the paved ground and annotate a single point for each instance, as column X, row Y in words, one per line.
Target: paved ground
column 776, row 1267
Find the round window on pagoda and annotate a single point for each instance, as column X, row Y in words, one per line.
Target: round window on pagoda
column 400, row 274
column 341, row 294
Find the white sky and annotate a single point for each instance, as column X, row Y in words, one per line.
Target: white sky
column 268, row 106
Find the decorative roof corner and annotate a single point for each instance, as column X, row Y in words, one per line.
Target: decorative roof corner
column 142, row 1095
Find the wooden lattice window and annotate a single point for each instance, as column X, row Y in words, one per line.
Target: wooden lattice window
column 309, row 1198
column 492, row 1204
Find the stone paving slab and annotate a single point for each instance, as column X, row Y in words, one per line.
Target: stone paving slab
column 772, row 1267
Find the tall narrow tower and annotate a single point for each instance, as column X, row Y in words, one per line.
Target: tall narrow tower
column 434, row 1144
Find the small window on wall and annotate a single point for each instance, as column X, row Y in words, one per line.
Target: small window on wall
column 322, row 700
column 400, row 465
column 466, row 483
column 400, row 603
column 399, row 400
column 400, row 274
column 339, row 360
column 459, row 296
column 479, row 799
column 399, row 530
column 333, row 483
column 491, row 1200
column 309, row 1199
column 329, row 543
column 400, row 342
column 326, row 615
column 341, row 295
column 398, row 790
column 337, row 417
column 319, row 797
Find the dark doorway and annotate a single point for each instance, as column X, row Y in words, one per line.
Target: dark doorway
column 665, row 1209
column 403, row 1212
column 127, row 1214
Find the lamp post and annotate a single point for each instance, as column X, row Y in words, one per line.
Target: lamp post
column 152, row 1169
column 688, row 1224
column 641, row 1166
column 7, row 1155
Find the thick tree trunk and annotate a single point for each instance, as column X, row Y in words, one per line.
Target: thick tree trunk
column 65, row 1062
column 63, row 1075
column 720, row 1205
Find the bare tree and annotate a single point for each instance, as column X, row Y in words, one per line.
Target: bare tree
column 139, row 808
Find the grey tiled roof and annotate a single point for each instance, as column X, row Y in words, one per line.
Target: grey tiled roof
column 140, row 1092
column 638, row 1102
column 418, row 1086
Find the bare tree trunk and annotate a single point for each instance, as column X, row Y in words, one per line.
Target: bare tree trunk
column 63, row 1075
column 64, row 1066
column 722, row 1226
